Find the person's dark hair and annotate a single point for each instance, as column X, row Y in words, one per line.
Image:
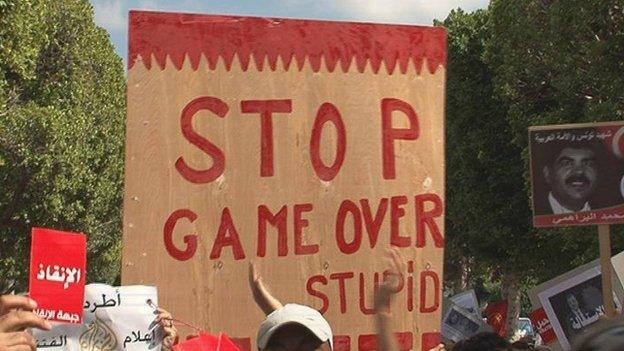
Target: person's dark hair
column 521, row 345
column 607, row 335
column 484, row 341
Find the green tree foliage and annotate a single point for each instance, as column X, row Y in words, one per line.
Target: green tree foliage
column 558, row 62
column 517, row 64
column 62, row 106
column 488, row 213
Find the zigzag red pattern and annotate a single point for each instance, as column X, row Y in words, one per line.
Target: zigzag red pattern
column 340, row 44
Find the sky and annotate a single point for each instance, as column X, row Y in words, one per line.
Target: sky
column 113, row 14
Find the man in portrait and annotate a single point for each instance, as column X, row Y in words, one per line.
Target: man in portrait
column 571, row 173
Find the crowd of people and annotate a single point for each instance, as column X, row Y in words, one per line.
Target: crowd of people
column 295, row 327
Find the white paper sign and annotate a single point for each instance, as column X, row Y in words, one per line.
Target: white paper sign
column 618, row 264
column 468, row 301
column 115, row 318
column 459, row 324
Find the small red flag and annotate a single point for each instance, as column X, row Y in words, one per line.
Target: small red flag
column 207, row 342
column 58, row 262
column 496, row 314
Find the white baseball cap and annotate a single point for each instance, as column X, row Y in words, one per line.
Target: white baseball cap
column 306, row 316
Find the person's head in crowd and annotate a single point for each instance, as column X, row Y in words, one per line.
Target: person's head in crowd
column 295, row 328
column 521, row 345
column 484, row 341
column 607, row 335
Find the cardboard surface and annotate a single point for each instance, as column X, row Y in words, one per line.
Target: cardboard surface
column 313, row 193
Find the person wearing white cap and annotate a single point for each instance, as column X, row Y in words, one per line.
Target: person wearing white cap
column 295, row 328
column 291, row 327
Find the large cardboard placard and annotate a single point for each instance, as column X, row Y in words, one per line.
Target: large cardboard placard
column 308, row 147
column 577, row 174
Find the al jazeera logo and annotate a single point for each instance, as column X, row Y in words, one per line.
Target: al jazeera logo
column 98, row 337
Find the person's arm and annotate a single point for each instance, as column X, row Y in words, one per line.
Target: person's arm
column 261, row 294
column 16, row 315
column 385, row 339
column 383, row 298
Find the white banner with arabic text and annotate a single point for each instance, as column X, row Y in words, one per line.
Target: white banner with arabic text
column 115, row 319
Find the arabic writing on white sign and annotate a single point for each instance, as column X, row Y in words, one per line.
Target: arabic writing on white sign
column 115, row 319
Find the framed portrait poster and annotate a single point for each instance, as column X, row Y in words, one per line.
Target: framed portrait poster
column 577, row 174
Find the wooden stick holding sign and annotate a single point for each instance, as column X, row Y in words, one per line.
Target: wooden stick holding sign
column 604, row 237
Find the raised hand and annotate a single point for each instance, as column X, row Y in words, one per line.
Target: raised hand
column 261, row 294
column 16, row 314
column 385, row 290
column 15, row 317
column 383, row 298
column 165, row 319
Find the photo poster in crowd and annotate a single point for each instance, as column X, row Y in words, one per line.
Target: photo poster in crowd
column 577, row 174
column 58, row 262
column 458, row 323
column 617, row 262
column 115, row 318
column 306, row 147
column 573, row 302
column 468, row 301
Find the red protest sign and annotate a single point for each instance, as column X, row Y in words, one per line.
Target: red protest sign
column 496, row 314
column 542, row 324
column 57, row 274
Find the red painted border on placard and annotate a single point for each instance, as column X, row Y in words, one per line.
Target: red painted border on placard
column 430, row 340
column 159, row 35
